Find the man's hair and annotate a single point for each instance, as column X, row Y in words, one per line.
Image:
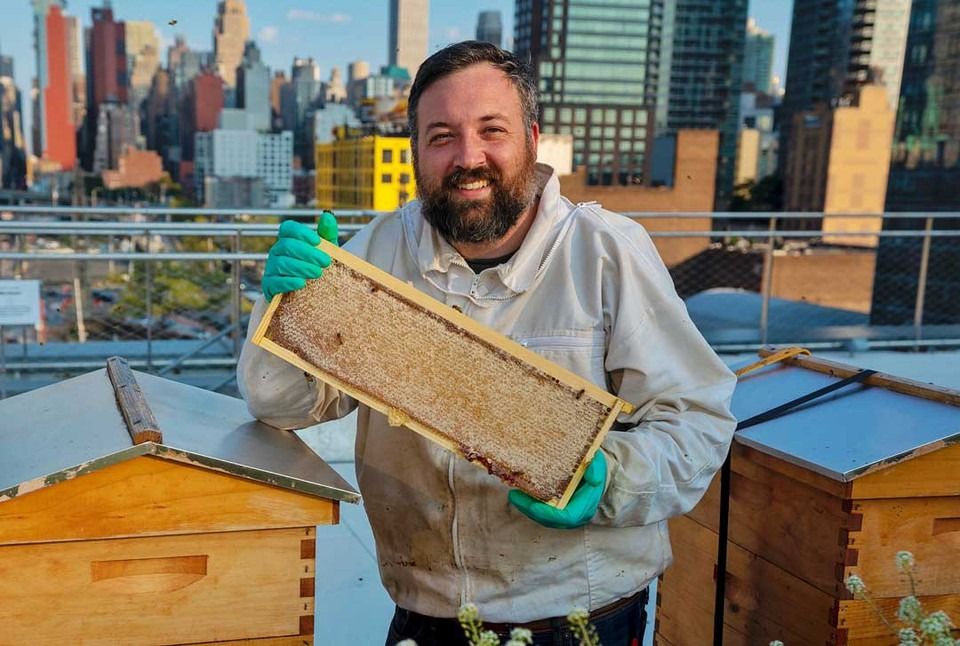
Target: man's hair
column 462, row 55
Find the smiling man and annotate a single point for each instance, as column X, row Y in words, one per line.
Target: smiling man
column 492, row 236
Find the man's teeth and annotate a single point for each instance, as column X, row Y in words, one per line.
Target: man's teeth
column 472, row 186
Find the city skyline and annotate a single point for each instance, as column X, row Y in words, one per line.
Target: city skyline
column 285, row 29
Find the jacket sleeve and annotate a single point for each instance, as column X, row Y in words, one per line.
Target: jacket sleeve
column 280, row 394
column 661, row 458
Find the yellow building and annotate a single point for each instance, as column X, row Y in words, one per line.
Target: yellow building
column 372, row 173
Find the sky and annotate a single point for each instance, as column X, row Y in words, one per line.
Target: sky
column 332, row 32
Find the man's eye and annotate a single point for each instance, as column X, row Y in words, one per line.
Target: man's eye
column 440, row 138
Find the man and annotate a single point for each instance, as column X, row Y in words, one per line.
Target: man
column 491, row 236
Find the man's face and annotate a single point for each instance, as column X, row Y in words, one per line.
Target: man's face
column 474, row 160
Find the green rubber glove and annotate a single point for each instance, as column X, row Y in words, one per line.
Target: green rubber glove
column 583, row 503
column 294, row 258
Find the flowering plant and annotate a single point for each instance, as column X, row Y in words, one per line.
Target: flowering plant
column 916, row 627
column 469, row 618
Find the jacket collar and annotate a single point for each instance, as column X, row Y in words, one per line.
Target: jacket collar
column 436, row 257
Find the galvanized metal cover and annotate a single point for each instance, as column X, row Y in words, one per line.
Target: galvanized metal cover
column 74, row 427
column 850, row 432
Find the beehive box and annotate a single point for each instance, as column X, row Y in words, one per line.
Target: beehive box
column 426, row 366
column 834, row 488
column 205, row 536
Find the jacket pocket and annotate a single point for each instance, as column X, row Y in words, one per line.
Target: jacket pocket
column 581, row 352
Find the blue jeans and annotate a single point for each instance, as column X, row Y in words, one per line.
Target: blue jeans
column 620, row 624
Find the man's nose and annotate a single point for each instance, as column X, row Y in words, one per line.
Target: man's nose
column 470, row 152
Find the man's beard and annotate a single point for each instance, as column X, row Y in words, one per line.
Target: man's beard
column 475, row 221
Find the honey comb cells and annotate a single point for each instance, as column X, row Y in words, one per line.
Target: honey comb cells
column 528, row 427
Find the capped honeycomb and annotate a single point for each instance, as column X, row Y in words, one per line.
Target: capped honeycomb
column 428, row 367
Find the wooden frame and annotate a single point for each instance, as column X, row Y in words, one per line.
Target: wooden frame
column 481, row 334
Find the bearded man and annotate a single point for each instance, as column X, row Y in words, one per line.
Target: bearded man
column 491, row 236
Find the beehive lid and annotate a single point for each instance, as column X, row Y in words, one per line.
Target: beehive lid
column 75, row 427
column 851, row 432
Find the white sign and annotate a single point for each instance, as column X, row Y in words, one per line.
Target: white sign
column 19, row 302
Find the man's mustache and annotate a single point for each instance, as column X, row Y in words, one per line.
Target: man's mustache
column 467, row 175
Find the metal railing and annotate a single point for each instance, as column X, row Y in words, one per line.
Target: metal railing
column 172, row 293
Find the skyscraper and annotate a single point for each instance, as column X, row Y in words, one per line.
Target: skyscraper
column 489, row 27
column 699, row 83
column 143, row 58
column 161, row 125
column 924, row 173
column 836, row 48
column 115, row 131
column 230, row 34
column 596, row 69
column 107, row 83
column 200, row 108
column 13, row 153
column 878, row 40
column 305, row 94
column 253, row 87
column 78, row 72
column 409, row 31
column 54, row 131
column 818, row 57
column 108, row 75
column 757, row 58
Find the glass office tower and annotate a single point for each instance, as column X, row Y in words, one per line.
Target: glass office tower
column 596, row 63
column 924, row 174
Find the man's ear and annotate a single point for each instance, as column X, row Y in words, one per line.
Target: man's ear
column 535, row 135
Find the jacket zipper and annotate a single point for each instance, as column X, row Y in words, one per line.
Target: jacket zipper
column 455, row 535
column 455, row 525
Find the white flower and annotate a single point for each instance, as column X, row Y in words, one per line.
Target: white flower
column 908, row 637
column 407, row 642
column 910, row 611
column 468, row 613
column 936, row 624
column 520, row 636
column 856, row 585
column 904, row 560
column 488, row 638
column 578, row 615
column 776, row 642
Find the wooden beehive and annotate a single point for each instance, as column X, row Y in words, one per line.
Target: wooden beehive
column 207, row 536
column 834, row 488
column 426, row 366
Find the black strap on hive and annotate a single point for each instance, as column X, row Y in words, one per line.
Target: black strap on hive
column 723, row 529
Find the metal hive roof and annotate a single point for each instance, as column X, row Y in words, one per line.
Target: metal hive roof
column 74, row 427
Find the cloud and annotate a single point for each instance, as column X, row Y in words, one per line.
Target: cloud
column 453, row 33
column 295, row 15
column 269, row 35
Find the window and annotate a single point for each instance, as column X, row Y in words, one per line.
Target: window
column 404, row 178
column 386, row 178
column 405, row 157
column 387, row 157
